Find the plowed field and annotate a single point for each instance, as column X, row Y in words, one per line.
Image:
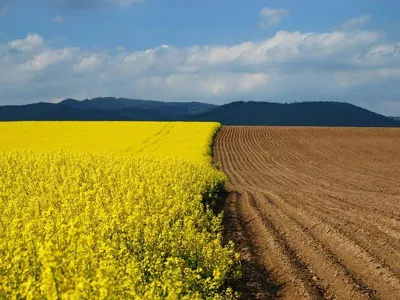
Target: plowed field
column 315, row 212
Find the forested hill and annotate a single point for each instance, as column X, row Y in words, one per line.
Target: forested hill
column 105, row 108
column 235, row 113
column 295, row 114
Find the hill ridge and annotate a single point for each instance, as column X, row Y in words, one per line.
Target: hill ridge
column 315, row 113
column 307, row 113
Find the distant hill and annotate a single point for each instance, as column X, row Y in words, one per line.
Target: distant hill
column 112, row 109
column 295, row 114
column 167, row 109
column 235, row 113
column 396, row 118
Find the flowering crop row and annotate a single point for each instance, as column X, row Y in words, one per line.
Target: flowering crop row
column 105, row 225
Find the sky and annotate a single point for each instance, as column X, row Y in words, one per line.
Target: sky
column 214, row 51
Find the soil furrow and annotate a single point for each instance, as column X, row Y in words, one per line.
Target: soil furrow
column 313, row 211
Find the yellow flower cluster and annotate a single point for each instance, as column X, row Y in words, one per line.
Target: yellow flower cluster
column 106, row 225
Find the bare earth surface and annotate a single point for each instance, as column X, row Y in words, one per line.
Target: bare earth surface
column 315, row 212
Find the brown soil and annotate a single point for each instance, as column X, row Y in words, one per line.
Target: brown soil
column 314, row 212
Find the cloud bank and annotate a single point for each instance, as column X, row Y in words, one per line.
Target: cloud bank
column 360, row 67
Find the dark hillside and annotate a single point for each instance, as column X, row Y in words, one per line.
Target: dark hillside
column 295, row 114
column 118, row 109
column 51, row 112
column 167, row 109
column 235, row 113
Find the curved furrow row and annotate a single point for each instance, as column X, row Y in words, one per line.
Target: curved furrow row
column 322, row 172
column 300, row 178
column 385, row 247
column 351, row 254
column 286, row 271
column 300, row 158
column 295, row 179
column 278, row 255
column 319, row 207
column 293, row 219
column 320, row 147
column 224, row 156
column 322, row 264
column 353, row 224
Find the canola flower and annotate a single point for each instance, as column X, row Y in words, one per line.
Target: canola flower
column 103, row 224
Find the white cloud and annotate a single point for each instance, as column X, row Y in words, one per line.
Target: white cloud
column 31, row 42
column 380, row 55
column 383, row 50
column 289, row 66
column 207, row 85
column 88, row 63
column 250, row 82
column 355, row 23
column 284, row 46
column 273, row 16
column 56, row 100
column 46, row 58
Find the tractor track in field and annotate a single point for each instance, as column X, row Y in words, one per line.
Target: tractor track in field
column 314, row 212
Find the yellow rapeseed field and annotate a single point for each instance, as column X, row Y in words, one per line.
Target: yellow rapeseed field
column 181, row 139
column 110, row 210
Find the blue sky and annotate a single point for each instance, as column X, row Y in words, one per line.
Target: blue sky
column 214, row 51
